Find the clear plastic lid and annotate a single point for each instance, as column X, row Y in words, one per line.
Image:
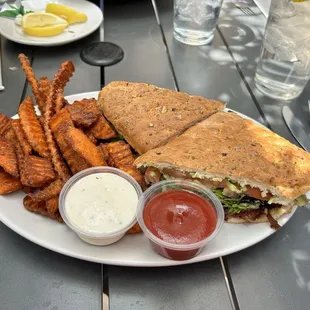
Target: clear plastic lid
column 185, row 185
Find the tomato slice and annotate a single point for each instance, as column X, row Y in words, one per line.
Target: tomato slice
column 152, row 175
column 256, row 193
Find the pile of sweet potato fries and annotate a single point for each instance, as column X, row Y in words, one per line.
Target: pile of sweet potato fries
column 39, row 152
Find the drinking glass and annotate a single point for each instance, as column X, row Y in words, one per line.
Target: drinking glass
column 195, row 20
column 284, row 66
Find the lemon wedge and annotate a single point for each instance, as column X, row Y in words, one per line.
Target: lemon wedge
column 72, row 16
column 45, row 31
column 43, row 24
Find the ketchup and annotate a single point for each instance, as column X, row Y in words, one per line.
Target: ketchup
column 179, row 217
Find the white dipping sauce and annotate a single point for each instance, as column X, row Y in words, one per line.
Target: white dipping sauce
column 101, row 203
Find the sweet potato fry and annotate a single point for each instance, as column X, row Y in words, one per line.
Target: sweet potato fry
column 4, row 124
column 101, row 129
column 21, row 137
column 121, row 157
column 57, row 160
column 59, row 82
column 84, row 147
column 120, row 153
column 103, row 149
column 44, row 89
column 40, row 208
column 24, row 61
column 84, row 113
column 8, row 184
column 136, row 229
column 59, row 102
column 8, row 160
column 89, row 135
column 49, row 191
column 20, row 161
column 41, row 120
column 60, row 123
column 28, row 190
column 37, row 171
column 76, row 162
column 134, row 172
column 52, row 205
column 32, row 127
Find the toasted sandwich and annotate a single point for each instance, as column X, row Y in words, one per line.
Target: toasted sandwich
column 148, row 116
column 257, row 175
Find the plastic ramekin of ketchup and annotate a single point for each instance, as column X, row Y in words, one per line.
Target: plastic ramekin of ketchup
column 179, row 217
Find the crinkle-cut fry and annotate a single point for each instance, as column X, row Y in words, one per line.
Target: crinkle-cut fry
column 101, row 129
column 44, row 89
column 21, row 136
column 57, row 160
column 20, row 160
column 28, row 190
column 52, row 205
column 60, row 123
column 84, row 113
column 122, row 158
column 37, row 171
column 136, row 229
column 76, row 162
column 134, row 172
column 8, row 184
column 48, row 192
column 84, row 147
column 59, row 102
column 89, row 135
column 4, row 124
column 32, row 128
column 25, row 64
column 65, row 102
column 120, row 153
column 40, row 208
column 103, row 148
column 10, row 134
column 8, row 160
column 41, row 120
column 59, row 82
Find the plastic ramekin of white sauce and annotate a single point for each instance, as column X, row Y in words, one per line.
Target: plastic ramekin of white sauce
column 100, row 204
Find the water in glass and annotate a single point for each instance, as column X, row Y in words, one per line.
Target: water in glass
column 284, row 66
column 195, row 20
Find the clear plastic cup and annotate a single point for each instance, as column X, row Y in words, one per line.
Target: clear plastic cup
column 179, row 251
column 91, row 237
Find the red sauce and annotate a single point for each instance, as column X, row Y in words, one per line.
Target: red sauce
column 179, row 217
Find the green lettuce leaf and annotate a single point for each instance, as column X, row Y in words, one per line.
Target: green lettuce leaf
column 238, row 204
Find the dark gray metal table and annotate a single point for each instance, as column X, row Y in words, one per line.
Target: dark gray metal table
column 273, row 274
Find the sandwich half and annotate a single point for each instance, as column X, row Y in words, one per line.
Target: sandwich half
column 257, row 175
column 148, row 116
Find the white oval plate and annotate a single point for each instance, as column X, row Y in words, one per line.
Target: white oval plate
column 74, row 32
column 132, row 250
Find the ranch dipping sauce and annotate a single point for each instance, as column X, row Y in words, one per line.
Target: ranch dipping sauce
column 101, row 203
column 100, row 206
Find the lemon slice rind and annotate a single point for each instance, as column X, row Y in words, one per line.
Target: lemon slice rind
column 72, row 16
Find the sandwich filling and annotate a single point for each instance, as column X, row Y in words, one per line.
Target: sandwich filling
column 242, row 203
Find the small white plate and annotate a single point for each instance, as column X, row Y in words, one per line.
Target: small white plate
column 74, row 32
column 132, row 250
